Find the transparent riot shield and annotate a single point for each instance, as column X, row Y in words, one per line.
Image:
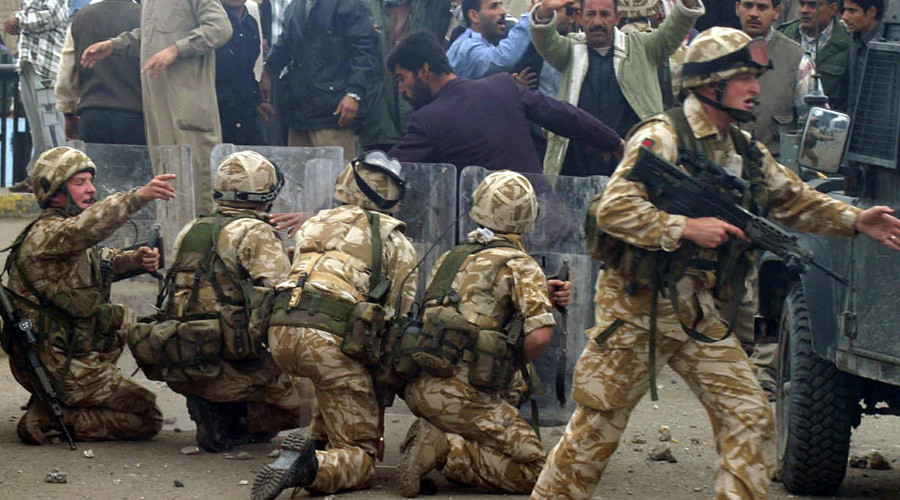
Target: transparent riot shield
column 428, row 209
column 558, row 235
column 123, row 167
column 304, row 190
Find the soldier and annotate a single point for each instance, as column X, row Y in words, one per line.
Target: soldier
column 250, row 400
column 613, row 371
column 351, row 264
column 60, row 279
column 467, row 429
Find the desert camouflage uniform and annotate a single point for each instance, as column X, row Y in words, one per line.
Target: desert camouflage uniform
column 491, row 445
column 345, row 395
column 612, row 375
column 58, row 255
column 248, row 247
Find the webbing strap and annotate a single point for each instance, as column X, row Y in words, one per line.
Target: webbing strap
column 377, row 288
column 442, row 283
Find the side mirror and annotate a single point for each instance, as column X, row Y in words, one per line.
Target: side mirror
column 824, row 138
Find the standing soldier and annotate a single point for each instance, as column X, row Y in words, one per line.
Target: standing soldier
column 226, row 264
column 351, row 265
column 60, row 279
column 613, row 372
column 488, row 308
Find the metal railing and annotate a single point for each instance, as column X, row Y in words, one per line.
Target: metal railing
column 15, row 137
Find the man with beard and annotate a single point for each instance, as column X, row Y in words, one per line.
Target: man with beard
column 478, row 122
column 606, row 72
column 482, row 50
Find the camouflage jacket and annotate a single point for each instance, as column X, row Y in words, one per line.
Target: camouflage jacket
column 334, row 248
column 59, row 253
column 495, row 283
column 250, row 249
column 626, row 213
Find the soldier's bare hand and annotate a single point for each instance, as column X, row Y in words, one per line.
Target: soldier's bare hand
column 291, row 221
column 347, row 109
column 157, row 64
column 147, row 258
column 710, row 232
column 559, row 292
column 878, row 224
column 96, row 53
column 158, row 188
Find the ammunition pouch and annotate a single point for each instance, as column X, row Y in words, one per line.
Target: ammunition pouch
column 174, row 350
column 493, row 361
column 395, row 368
column 244, row 334
column 443, row 340
column 360, row 325
column 78, row 321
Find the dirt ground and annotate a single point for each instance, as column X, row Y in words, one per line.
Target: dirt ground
column 149, row 470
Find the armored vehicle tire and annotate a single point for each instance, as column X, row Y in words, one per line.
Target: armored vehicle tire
column 813, row 408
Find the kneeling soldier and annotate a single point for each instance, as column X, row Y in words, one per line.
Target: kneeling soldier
column 225, row 270
column 351, row 264
column 60, row 278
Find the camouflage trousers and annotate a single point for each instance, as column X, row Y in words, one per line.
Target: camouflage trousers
column 345, row 402
column 272, row 397
column 763, row 355
column 611, row 377
column 491, row 445
column 99, row 403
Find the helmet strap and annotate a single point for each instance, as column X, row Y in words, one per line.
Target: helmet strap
column 739, row 115
column 72, row 208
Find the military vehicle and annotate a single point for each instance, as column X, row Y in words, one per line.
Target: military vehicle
column 839, row 344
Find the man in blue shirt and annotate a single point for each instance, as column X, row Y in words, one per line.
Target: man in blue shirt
column 479, row 51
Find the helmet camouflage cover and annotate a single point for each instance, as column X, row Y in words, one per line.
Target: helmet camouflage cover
column 505, row 202
column 630, row 9
column 712, row 44
column 372, row 168
column 54, row 167
column 246, row 178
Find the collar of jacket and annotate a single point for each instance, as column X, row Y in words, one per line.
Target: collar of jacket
column 696, row 116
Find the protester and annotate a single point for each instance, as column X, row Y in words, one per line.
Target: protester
column 863, row 19
column 478, row 122
column 102, row 104
column 482, row 49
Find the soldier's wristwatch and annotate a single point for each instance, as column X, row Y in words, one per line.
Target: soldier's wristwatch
column 356, row 97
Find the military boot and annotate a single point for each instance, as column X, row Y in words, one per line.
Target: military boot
column 34, row 424
column 212, row 425
column 424, row 449
column 295, row 468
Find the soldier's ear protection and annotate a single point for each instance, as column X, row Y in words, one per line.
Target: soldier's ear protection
column 379, row 162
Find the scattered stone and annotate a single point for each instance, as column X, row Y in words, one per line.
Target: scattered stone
column 88, row 453
column 55, row 440
column 170, row 421
column 56, row 477
column 664, row 433
column 655, row 407
column 179, row 484
column 177, row 429
column 190, row 450
column 229, row 456
column 329, row 497
column 878, row 462
column 698, row 488
column 243, row 455
column 395, row 420
column 859, row 462
column 638, row 440
column 662, row 453
column 638, row 449
column 117, row 481
column 695, row 441
column 631, row 470
column 243, row 482
column 274, row 453
column 378, row 487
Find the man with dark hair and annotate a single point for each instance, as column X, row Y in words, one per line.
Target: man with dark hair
column 478, row 122
column 863, row 19
column 482, row 49
column 822, row 35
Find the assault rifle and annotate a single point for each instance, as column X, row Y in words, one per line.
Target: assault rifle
column 563, row 275
column 20, row 330
column 154, row 240
column 674, row 191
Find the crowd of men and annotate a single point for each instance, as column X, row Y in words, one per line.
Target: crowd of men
column 240, row 319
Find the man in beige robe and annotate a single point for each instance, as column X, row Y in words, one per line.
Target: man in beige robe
column 178, row 41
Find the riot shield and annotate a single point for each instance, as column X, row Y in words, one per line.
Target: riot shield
column 304, row 190
column 123, row 167
column 428, row 209
column 559, row 234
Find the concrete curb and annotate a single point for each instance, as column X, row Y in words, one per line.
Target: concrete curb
column 18, row 205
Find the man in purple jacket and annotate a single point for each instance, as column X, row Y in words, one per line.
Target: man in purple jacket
column 479, row 122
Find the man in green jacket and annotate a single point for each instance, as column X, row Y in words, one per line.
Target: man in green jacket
column 822, row 35
column 606, row 72
column 394, row 20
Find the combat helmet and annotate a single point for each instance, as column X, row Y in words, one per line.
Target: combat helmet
column 247, row 179
column 634, row 9
column 505, row 202
column 53, row 169
column 718, row 55
column 372, row 181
